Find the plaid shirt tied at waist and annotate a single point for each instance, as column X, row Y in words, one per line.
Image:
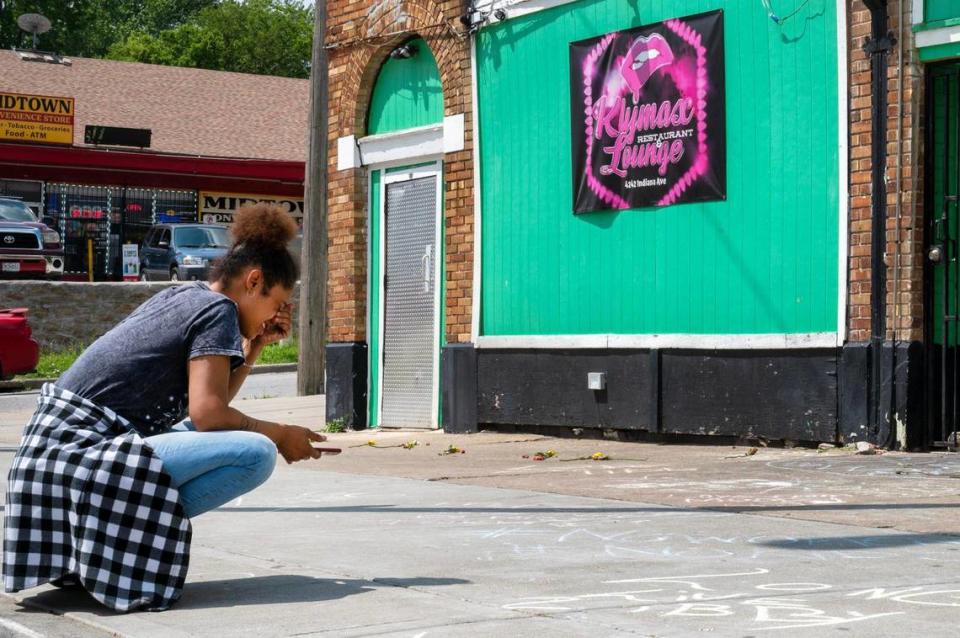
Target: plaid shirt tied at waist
column 86, row 496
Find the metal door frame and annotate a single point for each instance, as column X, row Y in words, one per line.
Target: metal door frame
column 404, row 174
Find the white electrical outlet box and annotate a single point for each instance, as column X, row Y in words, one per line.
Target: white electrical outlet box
column 596, row 380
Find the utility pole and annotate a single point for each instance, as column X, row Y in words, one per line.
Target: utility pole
column 311, row 360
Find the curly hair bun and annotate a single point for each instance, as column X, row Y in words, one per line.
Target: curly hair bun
column 263, row 224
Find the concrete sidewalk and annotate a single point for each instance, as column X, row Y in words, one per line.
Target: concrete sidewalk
column 659, row 540
column 323, row 553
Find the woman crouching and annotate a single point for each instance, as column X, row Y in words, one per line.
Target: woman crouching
column 109, row 472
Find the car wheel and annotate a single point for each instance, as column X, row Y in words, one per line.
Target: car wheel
column 174, row 275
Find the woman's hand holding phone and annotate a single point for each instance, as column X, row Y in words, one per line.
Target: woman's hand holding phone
column 296, row 444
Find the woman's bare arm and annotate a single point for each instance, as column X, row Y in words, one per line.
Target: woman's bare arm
column 209, row 406
column 239, row 374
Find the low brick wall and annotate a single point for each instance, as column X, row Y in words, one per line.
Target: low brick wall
column 67, row 313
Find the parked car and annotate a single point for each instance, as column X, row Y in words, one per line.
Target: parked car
column 29, row 248
column 19, row 353
column 181, row 252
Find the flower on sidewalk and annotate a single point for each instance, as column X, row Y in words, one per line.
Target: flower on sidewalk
column 409, row 445
column 453, row 449
column 541, row 456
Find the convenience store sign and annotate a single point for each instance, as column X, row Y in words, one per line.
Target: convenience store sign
column 40, row 119
column 219, row 208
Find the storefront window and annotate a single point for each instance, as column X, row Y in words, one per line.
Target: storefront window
column 111, row 216
column 176, row 206
column 137, row 213
column 83, row 214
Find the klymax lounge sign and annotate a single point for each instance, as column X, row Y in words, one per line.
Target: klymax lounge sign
column 648, row 115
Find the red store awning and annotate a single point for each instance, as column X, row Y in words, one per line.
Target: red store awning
column 157, row 170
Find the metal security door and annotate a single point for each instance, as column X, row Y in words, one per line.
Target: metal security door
column 83, row 213
column 410, row 304
column 942, row 277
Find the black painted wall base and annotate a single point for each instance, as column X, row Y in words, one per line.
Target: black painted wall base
column 458, row 388
column 798, row 395
column 785, row 394
column 346, row 383
column 902, row 409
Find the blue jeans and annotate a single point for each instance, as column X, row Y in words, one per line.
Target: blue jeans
column 210, row 469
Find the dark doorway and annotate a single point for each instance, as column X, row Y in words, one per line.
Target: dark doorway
column 941, row 273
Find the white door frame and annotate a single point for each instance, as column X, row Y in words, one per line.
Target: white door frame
column 433, row 168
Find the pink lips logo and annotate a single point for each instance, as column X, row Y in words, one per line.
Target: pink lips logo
column 646, row 56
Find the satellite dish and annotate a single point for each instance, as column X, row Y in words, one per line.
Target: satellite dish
column 34, row 23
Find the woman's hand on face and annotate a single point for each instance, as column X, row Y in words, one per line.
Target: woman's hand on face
column 277, row 328
column 295, row 443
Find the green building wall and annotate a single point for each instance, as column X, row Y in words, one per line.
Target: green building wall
column 938, row 10
column 939, row 14
column 407, row 93
column 763, row 261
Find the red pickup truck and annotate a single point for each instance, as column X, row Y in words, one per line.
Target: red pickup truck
column 19, row 352
column 29, row 248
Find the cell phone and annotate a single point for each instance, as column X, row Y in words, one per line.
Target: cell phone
column 328, row 450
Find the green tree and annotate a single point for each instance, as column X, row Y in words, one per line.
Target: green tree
column 269, row 37
column 88, row 28
column 159, row 15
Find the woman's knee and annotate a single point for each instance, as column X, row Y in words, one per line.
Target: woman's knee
column 259, row 454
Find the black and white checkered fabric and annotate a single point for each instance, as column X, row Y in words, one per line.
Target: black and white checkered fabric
column 87, row 496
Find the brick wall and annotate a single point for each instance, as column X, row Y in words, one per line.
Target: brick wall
column 361, row 34
column 904, row 134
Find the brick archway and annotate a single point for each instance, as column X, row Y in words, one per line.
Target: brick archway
column 413, row 19
column 354, row 65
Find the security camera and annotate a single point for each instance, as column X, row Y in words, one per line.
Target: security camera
column 500, row 14
column 473, row 20
column 404, row 52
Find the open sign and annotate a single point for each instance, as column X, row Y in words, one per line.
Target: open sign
column 86, row 212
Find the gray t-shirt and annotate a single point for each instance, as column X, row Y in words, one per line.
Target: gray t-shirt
column 139, row 368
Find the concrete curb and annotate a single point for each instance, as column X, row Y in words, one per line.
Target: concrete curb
column 51, row 609
column 274, row 367
column 25, row 384
column 35, row 384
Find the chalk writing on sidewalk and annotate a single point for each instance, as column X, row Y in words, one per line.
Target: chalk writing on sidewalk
column 752, row 595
